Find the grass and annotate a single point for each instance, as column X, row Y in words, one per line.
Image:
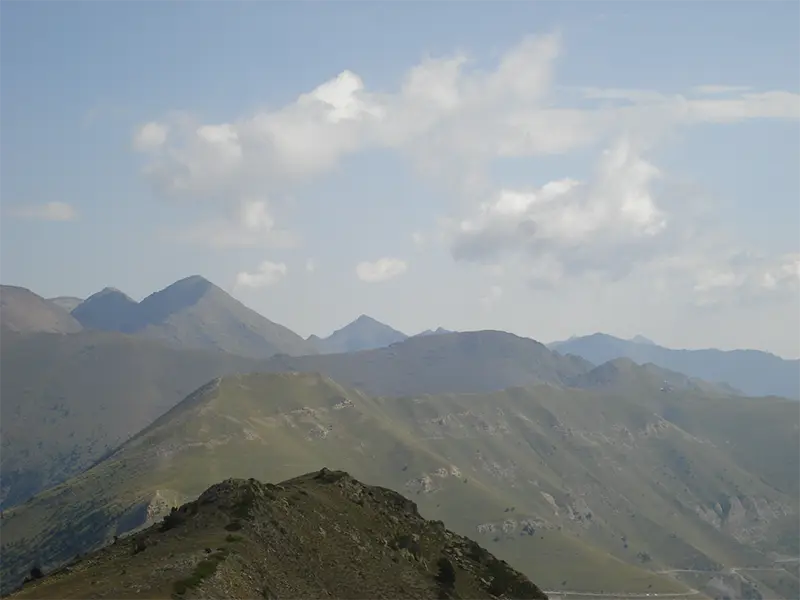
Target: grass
column 518, row 448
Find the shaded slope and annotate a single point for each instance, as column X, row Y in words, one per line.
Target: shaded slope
column 22, row 311
column 474, row 361
column 320, row 535
column 365, row 333
column 108, row 310
column 753, row 372
column 67, row 400
column 194, row 312
column 572, row 487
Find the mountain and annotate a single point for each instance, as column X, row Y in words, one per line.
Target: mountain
column 265, row 541
column 753, row 372
column 475, row 361
column 68, row 303
column 437, row 331
column 108, row 310
column 192, row 313
column 365, row 333
column 22, row 311
column 69, row 399
column 625, row 376
column 585, row 491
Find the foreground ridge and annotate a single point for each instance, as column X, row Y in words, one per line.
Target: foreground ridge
column 320, row 535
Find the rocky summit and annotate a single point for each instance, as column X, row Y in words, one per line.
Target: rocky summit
column 321, row 535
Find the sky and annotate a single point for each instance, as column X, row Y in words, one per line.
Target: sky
column 545, row 168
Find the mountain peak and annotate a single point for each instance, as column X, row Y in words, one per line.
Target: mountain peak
column 108, row 310
column 365, row 333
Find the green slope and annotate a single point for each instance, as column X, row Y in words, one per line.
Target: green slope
column 580, row 490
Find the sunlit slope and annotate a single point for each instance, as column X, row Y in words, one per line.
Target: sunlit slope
column 467, row 460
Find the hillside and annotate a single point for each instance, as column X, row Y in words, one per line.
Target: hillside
column 322, row 535
column 474, row 361
column 192, row 313
column 753, row 372
column 68, row 303
column 68, row 399
column 365, row 333
column 579, row 490
column 22, row 311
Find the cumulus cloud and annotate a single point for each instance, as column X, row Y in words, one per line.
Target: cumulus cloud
column 267, row 273
column 381, row 270
column 50, row 211
column 453, row 121
column 566, row 224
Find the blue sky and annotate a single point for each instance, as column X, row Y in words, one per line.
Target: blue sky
column 544, row 168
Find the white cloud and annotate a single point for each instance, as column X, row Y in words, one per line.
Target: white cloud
column 712, row 90
column 311, row 265
column 454, row 121
column 50, row 211
column 566, row 224
column 150, row 136
column 268, row 273
column 381, row 270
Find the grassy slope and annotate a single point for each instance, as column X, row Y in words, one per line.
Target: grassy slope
column 320, row 535
column 476, row 461
column 67, row 400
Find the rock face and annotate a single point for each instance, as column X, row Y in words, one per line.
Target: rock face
column 323, row 534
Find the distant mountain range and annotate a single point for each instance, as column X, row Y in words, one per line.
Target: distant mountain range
column 753, row 372
column 192, row 313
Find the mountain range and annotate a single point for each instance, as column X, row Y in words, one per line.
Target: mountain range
column 192, row 312
column 619, row 475
column 753, row 372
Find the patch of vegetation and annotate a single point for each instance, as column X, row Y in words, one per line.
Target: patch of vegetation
column 203, row 570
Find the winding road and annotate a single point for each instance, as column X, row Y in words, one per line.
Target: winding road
column 566, row 594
